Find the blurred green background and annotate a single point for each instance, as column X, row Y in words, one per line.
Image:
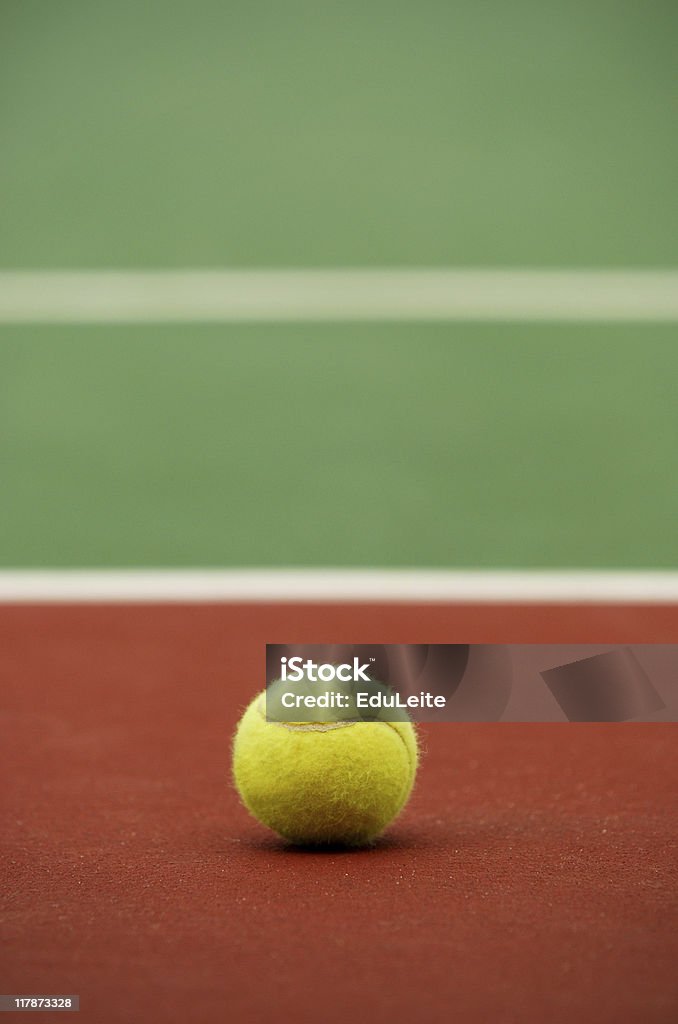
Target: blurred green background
column 247, row 133
column 169, row 134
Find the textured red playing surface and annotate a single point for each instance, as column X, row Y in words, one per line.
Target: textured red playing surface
column 533, row 877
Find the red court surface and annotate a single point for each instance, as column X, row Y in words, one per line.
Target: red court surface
column 532, row 878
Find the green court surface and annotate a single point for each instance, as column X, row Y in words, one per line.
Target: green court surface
column 374, row 445
column 311, row 134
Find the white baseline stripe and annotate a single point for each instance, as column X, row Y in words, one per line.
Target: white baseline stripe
column 367, row 294
column 337, row 585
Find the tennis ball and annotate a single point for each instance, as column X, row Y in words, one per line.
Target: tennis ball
column 332, row 782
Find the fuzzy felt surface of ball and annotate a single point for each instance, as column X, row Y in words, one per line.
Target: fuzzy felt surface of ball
column 315, row 783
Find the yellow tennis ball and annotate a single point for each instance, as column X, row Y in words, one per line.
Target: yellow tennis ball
column 337, row 782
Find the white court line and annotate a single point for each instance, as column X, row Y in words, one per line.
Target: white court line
column 367, row 294
column 337, row 585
